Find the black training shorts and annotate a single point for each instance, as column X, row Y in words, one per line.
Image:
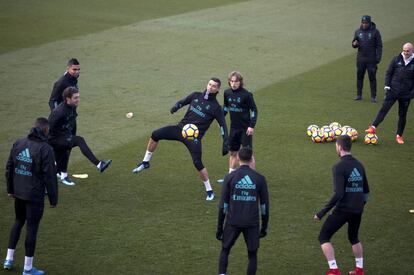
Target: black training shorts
column 239, row 138
column 173, row 132
column 335, row 221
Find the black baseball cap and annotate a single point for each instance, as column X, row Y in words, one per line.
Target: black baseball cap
column 366, row 18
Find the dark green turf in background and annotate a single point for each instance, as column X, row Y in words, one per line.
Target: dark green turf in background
column 158, row 222
column 24, row 22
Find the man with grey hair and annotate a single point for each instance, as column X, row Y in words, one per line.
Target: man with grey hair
column 399, row 86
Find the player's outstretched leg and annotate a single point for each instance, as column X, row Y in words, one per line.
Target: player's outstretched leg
column 103, row 164
column 210, row 195
column 152, row 145
column 143, row 165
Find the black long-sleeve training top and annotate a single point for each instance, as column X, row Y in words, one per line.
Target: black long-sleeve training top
column 202, row 110
column 242, row 108
column 61, row 84
column 350, row 187
column 62, row 121
column 244, row 190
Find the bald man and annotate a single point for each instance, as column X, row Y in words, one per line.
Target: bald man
column 399, row 86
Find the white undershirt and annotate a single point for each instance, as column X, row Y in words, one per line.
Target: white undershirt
column 408, row 60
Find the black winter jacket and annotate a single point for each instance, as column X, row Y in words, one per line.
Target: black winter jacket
column 31, row 169
column 369, row 44
column 62, row 121
column 400, row 77
column 61, row 84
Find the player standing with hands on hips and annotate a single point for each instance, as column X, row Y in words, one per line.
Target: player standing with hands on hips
column 30, row 171
column 350, row 195
column 244, row 196
column 243, row 117
column 203, row 109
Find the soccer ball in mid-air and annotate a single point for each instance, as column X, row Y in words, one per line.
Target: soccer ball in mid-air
column 312, row 128
column 371, row 139
column 190, row 131
column 317, row 136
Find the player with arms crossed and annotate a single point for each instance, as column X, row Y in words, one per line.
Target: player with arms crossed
column 350, row 195
column 203, row 109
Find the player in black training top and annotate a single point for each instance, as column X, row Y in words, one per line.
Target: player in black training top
column 30, row 171
column 350, row 195
column 63, row 136
column 244, row 190
column 203, row 109
column 243, row 117
column 68, row 79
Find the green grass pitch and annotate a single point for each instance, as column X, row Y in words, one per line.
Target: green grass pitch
column 141, row 57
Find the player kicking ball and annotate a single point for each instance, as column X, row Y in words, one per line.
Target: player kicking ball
column 203, row 109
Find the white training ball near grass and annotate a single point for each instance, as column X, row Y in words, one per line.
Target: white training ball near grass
column 130, row 115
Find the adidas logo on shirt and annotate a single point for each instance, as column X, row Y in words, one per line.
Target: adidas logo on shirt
column 24, row 156
column 245, row 183
column 355, row 176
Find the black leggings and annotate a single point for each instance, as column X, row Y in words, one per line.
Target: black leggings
column 62, row 147
column 371, row 68
column 174, row 133
column 31, row 212
column 403, row 104
column 251, row 237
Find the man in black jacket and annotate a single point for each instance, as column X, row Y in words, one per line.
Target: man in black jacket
column 350, row 195
column 63, row 135
column 30, row 171
column 203, row 109
column 399, row 86
column 243, row 117
column 368, row 41
column 69, row 78
column 244, row 192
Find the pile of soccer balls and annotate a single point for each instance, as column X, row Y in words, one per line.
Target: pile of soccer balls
column 330, row 133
